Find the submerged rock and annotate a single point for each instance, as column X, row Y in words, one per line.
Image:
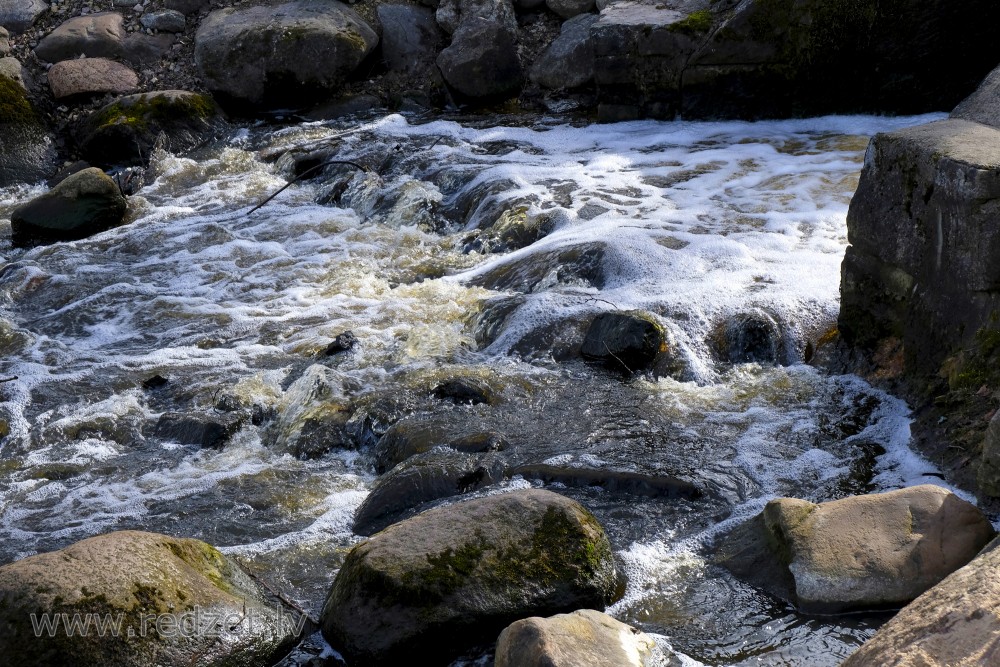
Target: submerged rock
column 955, row 623
column 626, row 341
column 750, row 338
column 415, row 435
column 614, row 481
column 439, row 583
column 85, row 203
column 585, row 638
column 211, row 431
column 176, row 602
column 862, row 552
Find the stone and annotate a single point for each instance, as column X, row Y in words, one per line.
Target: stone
column 85, row 203
column 166, row 20
column 294, row 54
column 570, row 8
column 983, row 105
column 140, row 578
column 752, row 337
column 438, row 473
column 411, row 38
column 568, row 62
column 186, row 6
column 609, row 479
column 27, row 154
column 140, row 49
column 627, row 341
column 482, row 60
column 584, row 638
column 415, row 435
column 531, row 272
column 91, row 76
column 19, row 15
column 344, row 342
column 4, row 42
column 439, row 583
column 989, row 465
column 126, row 130
column 874, row 551
column 956, row 623
column 210, row 431
column 94, row 36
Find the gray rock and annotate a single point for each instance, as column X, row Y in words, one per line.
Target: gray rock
column 293, row 54
column 438, row 473
column 94, row 36
column 982, row 106
column 861, row 552
column 609, row 479
column 438, row 583
column 27, row 154
column 19, row 15
column 482, row 60
column 415, row 435
column 4, row 42
column 410, row 37
column 570, row 8
column 85, row 203
column 130, row 576
column 752, row 337
column 585, row 638
column 627, row 341
column 89, row 76
column 582, row 263
column 186, row 6
column 954, row 623
column 211, row 431
column 989, row 465
column 166, row 20
column 139, row 48
column 568, row 62
column 12, row 69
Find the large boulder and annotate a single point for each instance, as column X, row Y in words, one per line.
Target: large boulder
column 293, row 54
column 482, row 60
column 585, row 638
column 94, row 36
column 26, row 151
column 411, row 38
column 862, row 552
column 956, row 623
column 126, row 130
column 91, row 76
column 438, row 583
column 568, row 62
column 85, row 203
column 627, row 341
column 162, row 600
column 19, row 15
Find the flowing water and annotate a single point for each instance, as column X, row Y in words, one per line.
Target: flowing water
column 468, row 251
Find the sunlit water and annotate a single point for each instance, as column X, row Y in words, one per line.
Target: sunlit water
column 694, row 222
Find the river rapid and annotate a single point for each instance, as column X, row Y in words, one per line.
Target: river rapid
column 461, row 250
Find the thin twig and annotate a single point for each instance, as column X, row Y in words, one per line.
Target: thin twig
column 305, row 173
column 11, row 379
column 617, row 359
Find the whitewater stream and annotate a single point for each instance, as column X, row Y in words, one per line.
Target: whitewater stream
column 469, row 251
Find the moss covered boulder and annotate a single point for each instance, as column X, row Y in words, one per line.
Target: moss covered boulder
column 135, row 598
column 862, row 552
column 85, row 203
column 26, row 151
column 126, row 130
column 438, row 583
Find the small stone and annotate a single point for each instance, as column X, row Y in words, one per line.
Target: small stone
column 342, row 343
column 167, row 20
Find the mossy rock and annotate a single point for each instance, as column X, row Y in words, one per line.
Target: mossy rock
column 161, row 600
column 454, row 576
column 27, row 155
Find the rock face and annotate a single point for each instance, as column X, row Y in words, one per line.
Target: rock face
column 569, row 61
column 626, row 341
column 125, row 131
column 94, row 36
column 19, row 15
column 90, row 76
column 85, row 203
column 481, row 61
column 989, row 466
column 293, row 54
column 861, row 552
column 137, row 577
column 956, row 623
column 438, row 583
column 26, row 152
column 585, row 638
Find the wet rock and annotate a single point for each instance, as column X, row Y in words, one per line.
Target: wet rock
column 90, row 76
column 615, row 481
column 19, row 15
column 568, row 62
column 582, row 264
column 438, row 583
column 154, row 382
column 954, row 623
column 415, row 435
column 469, row 391
column 342, row 343
column 131, row 576
column 585, row 638
column 126, row 130
column 28, row 155
column 411, row 38
column 750, row 338
column 85, row 203
column 628, row 341
column 166, row 20
column 570, row 8
column 482, row 60
column 295, row 54
column 210, row 431
column 139, row 48
column 314, row 415
column 862, row 552
column 94, row 36
column 439, row 473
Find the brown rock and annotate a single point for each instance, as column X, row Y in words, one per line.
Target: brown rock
column 94, row 36
column 88, row 76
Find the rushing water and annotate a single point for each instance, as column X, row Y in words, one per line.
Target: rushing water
column 467, row 251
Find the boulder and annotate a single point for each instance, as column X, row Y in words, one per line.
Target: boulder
column 627, row 341
column 568, row 62
column 94, row 36
column 165, row 20
column 126, row 130
column 862, row 552
column 439, row 583
column 482, row 60
column 956, row 623
column 989, row 465
column 411, row 38
column 585, row 638
column 293, row 54
column 142, row 49
column 27, row 154
column 438, row 473
column 4, row 42
column 570, row 8
column 211, row 431
column 172, row 602
column 415, row 435
column 19, row 15
column 85, row 203
column 91, row 76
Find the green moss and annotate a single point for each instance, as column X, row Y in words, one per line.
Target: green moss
column 979, row 365
column 696, row 23
column 14, row 105
column 158, row 110
column 207, row 560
